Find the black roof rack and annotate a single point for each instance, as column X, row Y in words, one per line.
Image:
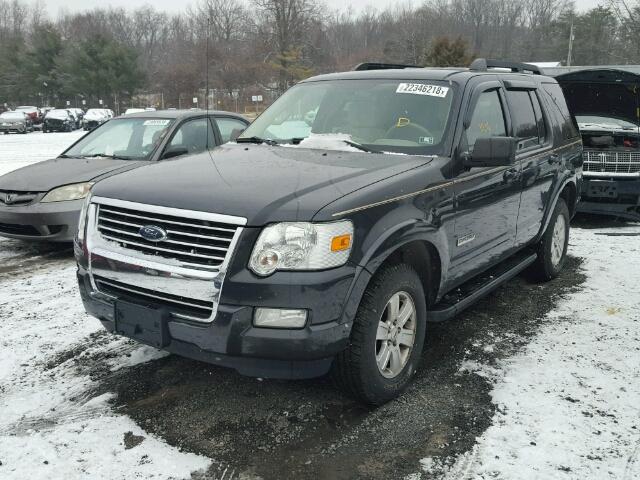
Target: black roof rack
column 382, row 66
column 484, row 64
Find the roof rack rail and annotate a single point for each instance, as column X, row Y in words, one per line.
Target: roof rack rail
column 382, row 66
column 484, row 64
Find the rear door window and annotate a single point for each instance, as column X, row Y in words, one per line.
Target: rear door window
column 525, row 124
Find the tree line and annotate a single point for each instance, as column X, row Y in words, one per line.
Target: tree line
column 241, row 48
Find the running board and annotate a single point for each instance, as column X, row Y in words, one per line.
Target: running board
column 476, row 288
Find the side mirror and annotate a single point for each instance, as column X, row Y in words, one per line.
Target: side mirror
column 492, row 152
column 235, row 133
column 173, row 152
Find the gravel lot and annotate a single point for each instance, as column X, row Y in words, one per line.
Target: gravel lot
column 536, row 381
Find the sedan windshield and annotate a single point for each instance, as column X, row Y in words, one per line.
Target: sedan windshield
column 375, row 115
column 124, row 138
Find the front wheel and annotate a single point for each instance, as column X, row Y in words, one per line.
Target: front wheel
column 387, row 337
column 552, row 249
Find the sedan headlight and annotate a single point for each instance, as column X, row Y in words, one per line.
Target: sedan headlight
column 302, row 246
column 74, row 191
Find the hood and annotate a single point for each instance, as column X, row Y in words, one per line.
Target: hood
column 43, row 176
column 93, row 116
column 260, row 183
column 602, row 92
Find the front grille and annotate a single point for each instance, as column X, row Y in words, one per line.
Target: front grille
column 18, row 229
column 618, row 162
column 194, row 243
column 16, row 198
column 176, row 304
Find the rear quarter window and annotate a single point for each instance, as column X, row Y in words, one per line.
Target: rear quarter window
column 559, row 104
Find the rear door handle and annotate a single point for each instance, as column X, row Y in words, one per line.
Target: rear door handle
column 554, row 158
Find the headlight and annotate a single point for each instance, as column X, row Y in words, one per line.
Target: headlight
column 302, row 246
column 75, row 191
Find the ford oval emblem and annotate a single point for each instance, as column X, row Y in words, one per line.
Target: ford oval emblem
column 153, row 233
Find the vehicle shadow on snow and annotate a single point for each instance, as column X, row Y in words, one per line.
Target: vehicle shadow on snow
column 22, row 258
column 308, row 429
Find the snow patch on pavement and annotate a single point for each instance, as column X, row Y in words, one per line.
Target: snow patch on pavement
column 18, row 151
column 568, row 405
column 51, row 426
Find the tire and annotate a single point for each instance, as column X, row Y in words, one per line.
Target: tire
column 356, row 370
column 552, row 248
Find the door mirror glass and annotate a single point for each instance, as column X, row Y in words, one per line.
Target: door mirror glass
column 492, row 152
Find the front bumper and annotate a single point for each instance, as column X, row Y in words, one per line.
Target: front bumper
column 13, row 128
column 55, row 222
column 231, row 340
column 611, row 196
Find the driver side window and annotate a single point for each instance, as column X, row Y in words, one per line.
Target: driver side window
column 192, row 137
column 487, row 119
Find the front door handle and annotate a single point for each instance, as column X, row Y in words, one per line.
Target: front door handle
column 554, row 158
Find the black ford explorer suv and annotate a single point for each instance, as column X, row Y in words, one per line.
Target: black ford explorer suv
column 359, row 207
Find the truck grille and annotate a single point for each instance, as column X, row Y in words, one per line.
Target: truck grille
column 188, row 307
column 194, row 243
column 620, row 162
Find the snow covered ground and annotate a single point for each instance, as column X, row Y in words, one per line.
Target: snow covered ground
column 568, row 406
column 21, row 150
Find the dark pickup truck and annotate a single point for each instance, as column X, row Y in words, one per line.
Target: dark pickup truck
column 357, row 209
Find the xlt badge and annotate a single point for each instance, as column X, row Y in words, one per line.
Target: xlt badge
column 466, row 239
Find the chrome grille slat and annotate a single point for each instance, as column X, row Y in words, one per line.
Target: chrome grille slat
column 160, row 249
column 135, row 235
column 616, row 162
column 186, row 307
column 194, row 242
column 175, row 232
column 173, row 222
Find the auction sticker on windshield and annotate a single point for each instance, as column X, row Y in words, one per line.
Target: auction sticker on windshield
column 423, row 89
column 159, row 123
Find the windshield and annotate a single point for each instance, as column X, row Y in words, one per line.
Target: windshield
column 125, row 138
column 60, row 114
column 585, row 120
column 382, row 115
column 13, row 115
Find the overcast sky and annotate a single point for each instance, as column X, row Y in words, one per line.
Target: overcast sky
column 54, row 6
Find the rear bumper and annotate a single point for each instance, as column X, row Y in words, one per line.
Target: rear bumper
column 54, row 222
column 231, row 340
column 621, row 198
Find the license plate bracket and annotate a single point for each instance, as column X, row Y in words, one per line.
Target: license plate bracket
column 144, row 324
column 603, row 190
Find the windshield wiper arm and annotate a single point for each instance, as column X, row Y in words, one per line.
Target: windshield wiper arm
column 361, row 147
column 104, row 155
column 256, row 140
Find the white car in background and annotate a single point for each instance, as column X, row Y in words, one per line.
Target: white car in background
column 94, row 118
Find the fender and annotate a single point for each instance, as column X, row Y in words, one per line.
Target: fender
column 552, row 205
column 384, row 245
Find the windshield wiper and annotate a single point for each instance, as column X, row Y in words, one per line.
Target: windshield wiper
column 104, row 155
column 361, row 147
column 256, row 140
column 296, row 141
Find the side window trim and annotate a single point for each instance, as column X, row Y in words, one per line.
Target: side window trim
column 541, row 118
